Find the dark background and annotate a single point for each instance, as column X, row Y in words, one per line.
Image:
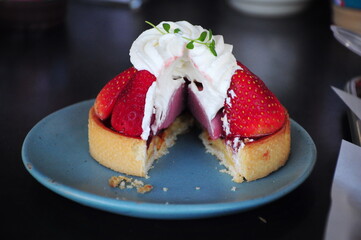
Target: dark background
column 43, row 71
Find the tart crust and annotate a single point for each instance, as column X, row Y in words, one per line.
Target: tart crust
column 256, row 159
column 133, row 156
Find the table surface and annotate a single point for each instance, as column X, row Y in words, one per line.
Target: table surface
column 43, row 71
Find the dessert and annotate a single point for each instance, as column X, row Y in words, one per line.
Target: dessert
column 180, row 72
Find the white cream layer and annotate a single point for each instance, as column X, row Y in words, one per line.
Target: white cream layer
column 166, row 57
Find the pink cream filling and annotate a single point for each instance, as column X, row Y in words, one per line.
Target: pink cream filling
column 214, row 127
column 177, row 105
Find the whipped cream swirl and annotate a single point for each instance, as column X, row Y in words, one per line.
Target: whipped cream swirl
column 167, row 57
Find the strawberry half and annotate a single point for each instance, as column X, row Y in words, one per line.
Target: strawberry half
column 128, row 111
column 106, row 98
column 251, row 109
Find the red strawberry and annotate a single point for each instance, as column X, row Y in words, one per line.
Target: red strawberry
column 106, row 98
column 253, row 110
column 128, row 111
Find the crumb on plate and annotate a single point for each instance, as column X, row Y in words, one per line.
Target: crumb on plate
column 144, row 189
column 125, row 182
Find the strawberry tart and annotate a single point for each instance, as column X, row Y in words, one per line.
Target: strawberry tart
column 182, row 74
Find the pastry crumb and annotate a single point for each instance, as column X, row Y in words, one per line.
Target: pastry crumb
column 144, row 189
column 122, row 185
column 128, row 183
column 233, row 189
column 165, row 189
column 137, row 183
column 198, row 188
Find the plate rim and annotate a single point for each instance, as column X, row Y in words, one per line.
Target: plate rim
column 152, row 210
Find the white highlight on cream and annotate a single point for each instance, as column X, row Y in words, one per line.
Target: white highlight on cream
column 233, row 94
column 235, row 142
column 225, row 124
column 148, row 110
column 228, row 101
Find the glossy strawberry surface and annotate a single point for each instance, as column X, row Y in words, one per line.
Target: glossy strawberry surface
column 251, row 109
column 107, row 97
column 128, row 112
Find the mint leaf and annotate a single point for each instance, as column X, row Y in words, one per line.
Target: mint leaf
column 203, row 36
column 166, row 27
column 200, row 40
column 190, row 45
column 213, row 50
column 210, row 35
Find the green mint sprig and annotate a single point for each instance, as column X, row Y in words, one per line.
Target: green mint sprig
column 205, row 38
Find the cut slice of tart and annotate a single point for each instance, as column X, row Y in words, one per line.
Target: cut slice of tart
column 254, row 158
column 129, row 155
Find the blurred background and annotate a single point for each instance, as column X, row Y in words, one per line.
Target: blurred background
column 54, row 53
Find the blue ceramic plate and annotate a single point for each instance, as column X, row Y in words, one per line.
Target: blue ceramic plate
column 55, row 152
